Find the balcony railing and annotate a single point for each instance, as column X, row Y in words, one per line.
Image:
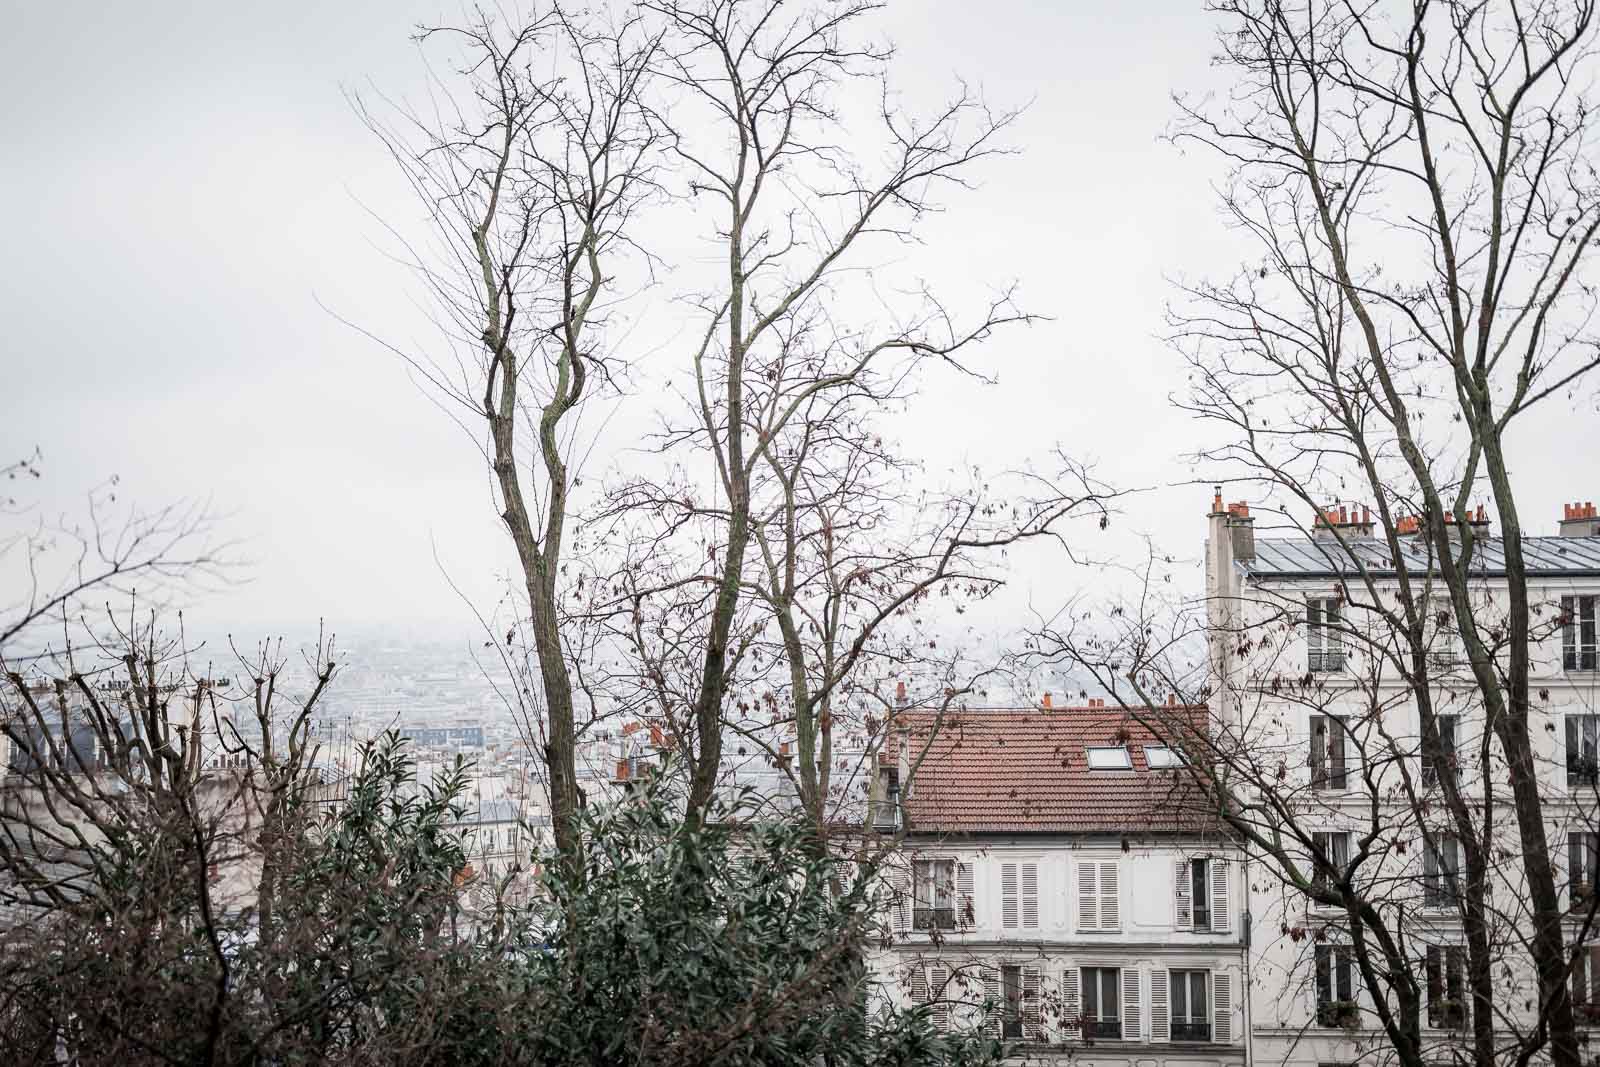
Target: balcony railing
column 1447, row 1015
column 884, row 814
column 1582, row 771
column 1191, row 1030
column 1325, row 661
column 1439, row 895
column 1103, row 1028
column 1340, row 1013
column 933, row 918
column 1011, row 1029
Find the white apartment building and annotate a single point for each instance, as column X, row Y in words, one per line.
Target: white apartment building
column 1056, row 887
column 1300, row 681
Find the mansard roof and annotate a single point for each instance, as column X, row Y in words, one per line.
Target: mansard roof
column 1304, row 557
column 1026, row 771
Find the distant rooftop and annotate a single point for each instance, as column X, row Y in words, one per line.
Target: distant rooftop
column 1303, row 557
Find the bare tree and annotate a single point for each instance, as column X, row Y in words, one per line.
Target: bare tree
column 784, row 388
column 57, row 567
column 537, row 154
column 1420, row 185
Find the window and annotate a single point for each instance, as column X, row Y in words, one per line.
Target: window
column 886, row 812
column 1441, row 873
column 934, row 886
column 1098, row 897
column 1446, row 760
column 1191, row 1012
column 1586, row 986
column 929, row 985
column 1334, row 848
column 1161, row 758
column 1202, row 894
column 1011, row 1002
column 1019, row 896
column 1444, row 644
column 1324, row 644
column 1013, row 993
column 1578, row 633
column 1102, row 1007
column 1336, row 1002
column 1583, row 733
column 1583, row 868
column 1109, row 759
column 1447, row 985
column 1327, row 752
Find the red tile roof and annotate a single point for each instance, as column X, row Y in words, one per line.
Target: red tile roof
column 1010, row 770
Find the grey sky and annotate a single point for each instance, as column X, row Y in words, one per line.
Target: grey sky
column 185, row 183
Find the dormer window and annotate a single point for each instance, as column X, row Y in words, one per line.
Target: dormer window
column 1161, row 758
column 1109, row 758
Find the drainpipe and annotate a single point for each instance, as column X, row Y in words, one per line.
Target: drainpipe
column 1249, row 990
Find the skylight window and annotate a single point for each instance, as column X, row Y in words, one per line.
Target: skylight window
column 1160, row 757
column 1109, row 759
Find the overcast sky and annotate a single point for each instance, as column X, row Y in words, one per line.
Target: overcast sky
column 186, row 188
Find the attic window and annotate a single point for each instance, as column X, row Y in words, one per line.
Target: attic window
column 1109, row 759
column 1160, row 758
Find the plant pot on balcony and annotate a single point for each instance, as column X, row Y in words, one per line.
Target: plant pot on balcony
column 1341, row 1013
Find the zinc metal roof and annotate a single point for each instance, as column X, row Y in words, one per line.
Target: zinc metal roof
column 1303, row 557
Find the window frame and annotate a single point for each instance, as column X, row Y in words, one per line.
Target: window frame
column 1330, row 763
column 1096, row 1024
column 929, row 914
column 1326, row 840
column 1090, row 751
column 1441, row 872
column 1335, row 986
column 1200, row 893
column 1187, row 1025
column 1445, row 970
column 1170, row 758
column 1324, row 640
column 1448, row 751
column 1582, row 738
column 1579, row 651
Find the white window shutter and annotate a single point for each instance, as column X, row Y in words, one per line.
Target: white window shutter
column 1222, row 1007
column 1183, row 889
column 1031, row 1026
column 1088, row 896
column 1160, row 1014
column 1132, row 1017
column 967, row 901
column 938, row 981
column 1110, row 912
column 1218, row 870
column 1008, row 895
column 900, row 898
column 992, row 1006
column 1030, row 896
column 1071, row 1009
column 919, row 985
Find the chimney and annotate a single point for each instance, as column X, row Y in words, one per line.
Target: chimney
column 1579, row 520
column 1242, row 530
column 899, row 694
column 1045, row 703
column 1342, row 520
